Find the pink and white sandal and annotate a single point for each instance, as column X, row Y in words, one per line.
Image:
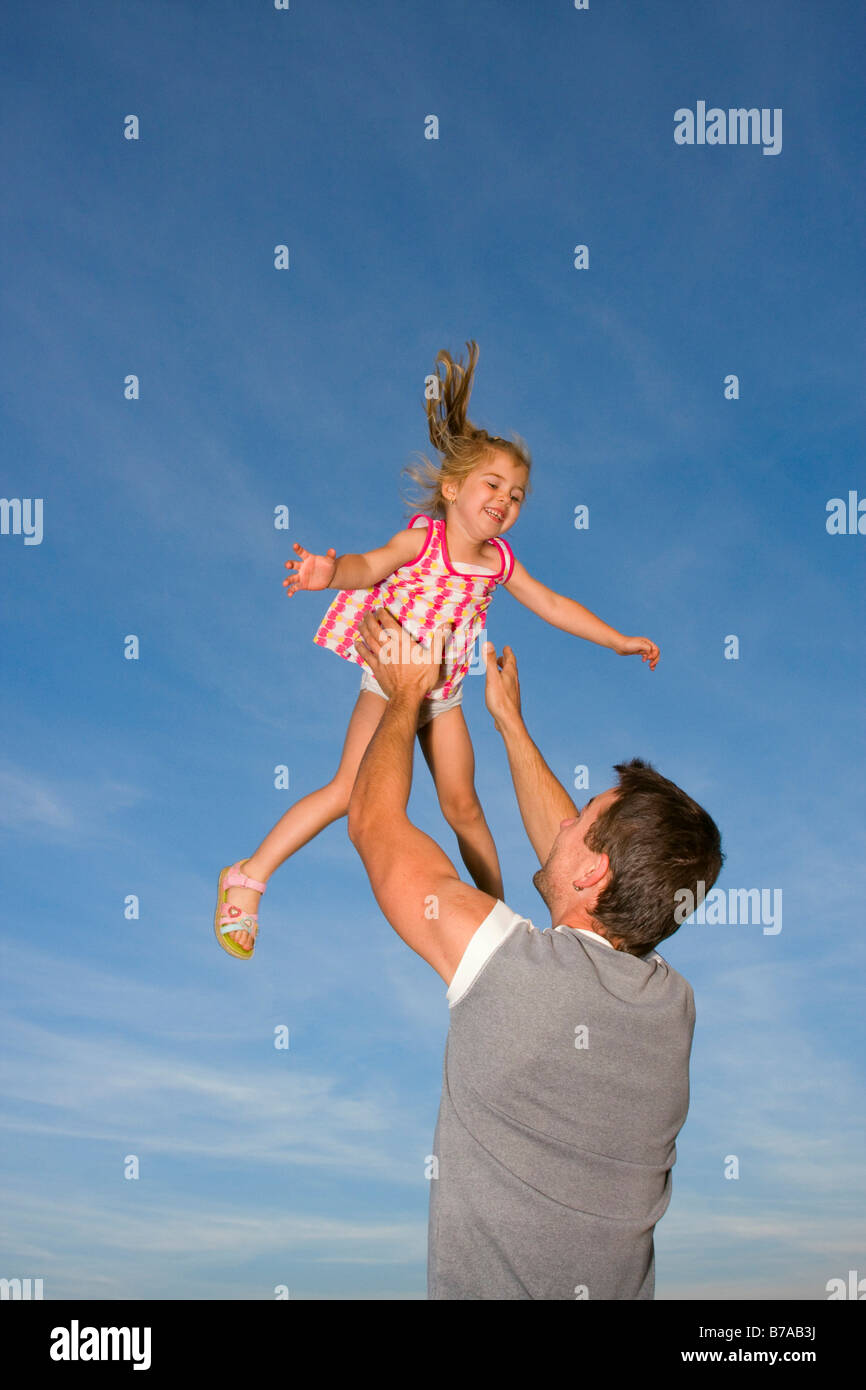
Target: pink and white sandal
column 228, row 918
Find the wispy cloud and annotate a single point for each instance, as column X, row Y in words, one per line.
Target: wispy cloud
column 60, row 808
column 212, row 1249
column 240, row 1107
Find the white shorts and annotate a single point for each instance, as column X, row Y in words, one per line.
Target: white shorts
column 429, row 708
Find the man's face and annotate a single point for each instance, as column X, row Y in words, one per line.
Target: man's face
column 570, row 862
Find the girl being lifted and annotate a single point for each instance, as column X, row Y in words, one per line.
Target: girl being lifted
column 439, row 573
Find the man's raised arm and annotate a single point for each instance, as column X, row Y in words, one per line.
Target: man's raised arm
column 544, row 803
column 414, row 882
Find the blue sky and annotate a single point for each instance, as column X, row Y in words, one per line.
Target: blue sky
column 304, row 388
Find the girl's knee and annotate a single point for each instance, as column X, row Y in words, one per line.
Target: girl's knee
column 340, row 793
column 462, row 812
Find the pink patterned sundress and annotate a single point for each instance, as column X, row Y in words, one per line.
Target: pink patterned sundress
column 421, row 596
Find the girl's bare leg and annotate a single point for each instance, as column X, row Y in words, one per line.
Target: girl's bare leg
column 446, row 745
column 312, row 813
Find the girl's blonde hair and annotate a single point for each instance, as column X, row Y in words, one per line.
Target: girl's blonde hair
column 462, row 446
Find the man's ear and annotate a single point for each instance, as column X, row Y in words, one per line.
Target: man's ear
column 595, row 874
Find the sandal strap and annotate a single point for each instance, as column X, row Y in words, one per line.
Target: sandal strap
column 235, row 879
column 246, row 923
column 230, row 913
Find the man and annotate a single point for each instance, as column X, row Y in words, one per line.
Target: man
column 565, row 1081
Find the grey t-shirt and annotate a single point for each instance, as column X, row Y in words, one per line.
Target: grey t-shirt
column 565, row 1084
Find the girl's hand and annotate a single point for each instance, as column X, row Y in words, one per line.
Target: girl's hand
column 642, row 646
column 313, row 571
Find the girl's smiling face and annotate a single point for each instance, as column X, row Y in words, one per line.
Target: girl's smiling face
column 488, row 502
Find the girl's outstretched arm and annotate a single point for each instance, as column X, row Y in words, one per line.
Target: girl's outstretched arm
column 572, row 617
column 331, row 571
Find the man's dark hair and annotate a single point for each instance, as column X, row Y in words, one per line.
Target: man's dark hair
column 659, row 842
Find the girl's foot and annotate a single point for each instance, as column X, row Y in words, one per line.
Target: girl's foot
column 247, row 899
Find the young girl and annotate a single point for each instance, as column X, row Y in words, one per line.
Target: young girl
column 442, row 569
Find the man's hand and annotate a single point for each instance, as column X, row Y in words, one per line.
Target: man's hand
column 399, row 663
column 502, row 689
